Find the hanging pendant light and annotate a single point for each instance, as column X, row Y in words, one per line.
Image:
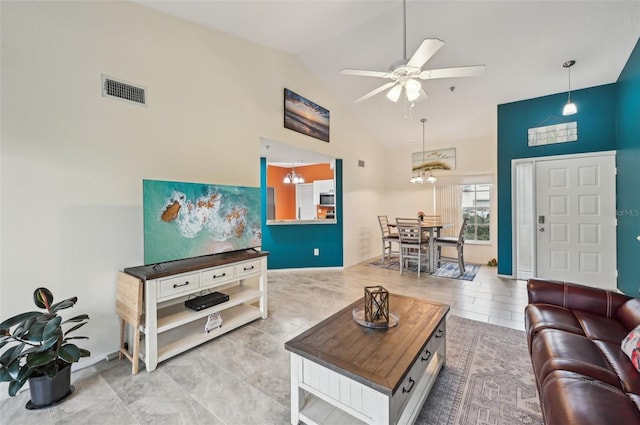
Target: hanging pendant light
column 293, row 177
column 420, row 177
column 570, row 108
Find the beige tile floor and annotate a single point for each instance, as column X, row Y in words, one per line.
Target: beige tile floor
column 243, row 377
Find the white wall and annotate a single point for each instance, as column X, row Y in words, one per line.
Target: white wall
column 72, row 162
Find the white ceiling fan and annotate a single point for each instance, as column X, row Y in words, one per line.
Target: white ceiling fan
column 405, row 74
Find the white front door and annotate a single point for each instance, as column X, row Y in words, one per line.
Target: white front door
column 576, row 220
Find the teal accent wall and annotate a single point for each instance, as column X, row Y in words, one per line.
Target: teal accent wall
column 596, row 120
column 291, row 246
column 628, row 179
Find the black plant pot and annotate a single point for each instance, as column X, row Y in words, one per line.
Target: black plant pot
column 46, row 392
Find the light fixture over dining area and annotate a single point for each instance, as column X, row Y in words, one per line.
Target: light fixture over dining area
column 419, row 175
column 570, row 108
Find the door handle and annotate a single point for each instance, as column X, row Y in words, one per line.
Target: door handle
column 542, row 229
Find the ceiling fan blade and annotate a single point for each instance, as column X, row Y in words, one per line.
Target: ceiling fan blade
column 461, row 71
column 374, row 92
column 428, row 48
column 364, row 73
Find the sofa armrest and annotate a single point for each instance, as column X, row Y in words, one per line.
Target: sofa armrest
column 575, row 297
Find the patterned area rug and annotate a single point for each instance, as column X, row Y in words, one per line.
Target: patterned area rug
column 487, row 378
column 446, row 269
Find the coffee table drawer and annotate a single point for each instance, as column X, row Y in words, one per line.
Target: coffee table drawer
column 436, row 341
column 409, row 384
column 418, row 369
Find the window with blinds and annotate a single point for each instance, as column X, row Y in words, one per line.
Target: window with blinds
column 473, row 201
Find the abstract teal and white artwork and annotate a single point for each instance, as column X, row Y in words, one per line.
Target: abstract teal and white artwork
column 183, row 220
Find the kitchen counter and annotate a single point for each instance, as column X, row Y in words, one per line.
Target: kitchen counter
column 297, row 222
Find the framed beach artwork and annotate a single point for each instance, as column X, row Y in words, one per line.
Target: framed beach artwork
column 306, row 117
column 442, row 159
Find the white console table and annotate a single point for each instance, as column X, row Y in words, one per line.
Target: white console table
column 170, row 328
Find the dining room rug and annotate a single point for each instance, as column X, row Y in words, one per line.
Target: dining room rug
column 447, row 269
column 487, row 378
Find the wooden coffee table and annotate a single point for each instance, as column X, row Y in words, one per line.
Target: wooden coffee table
column 343, row 373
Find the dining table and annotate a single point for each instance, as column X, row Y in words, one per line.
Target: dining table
column 433, row 227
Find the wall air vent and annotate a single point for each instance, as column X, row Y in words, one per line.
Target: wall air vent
column 124, row 91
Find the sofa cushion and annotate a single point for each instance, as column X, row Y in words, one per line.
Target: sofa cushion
column 629, row 313
column 559, row 350
column 571, row 398
column 546, row 316
column 631, row 346
column 600, row 327
column 620, row 364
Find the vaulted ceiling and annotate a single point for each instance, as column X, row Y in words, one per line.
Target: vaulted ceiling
column 522, row 43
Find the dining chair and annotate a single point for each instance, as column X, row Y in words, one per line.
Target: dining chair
column 450, row 242
column 388, row 238
column 413, row 244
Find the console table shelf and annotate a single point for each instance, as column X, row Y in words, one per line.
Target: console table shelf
column 180, row 339
column 169, row 328
column 176, row 315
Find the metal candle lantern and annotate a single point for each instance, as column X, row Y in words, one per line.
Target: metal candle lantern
column 376, row 304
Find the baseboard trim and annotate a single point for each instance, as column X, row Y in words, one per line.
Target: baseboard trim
column 306, row 269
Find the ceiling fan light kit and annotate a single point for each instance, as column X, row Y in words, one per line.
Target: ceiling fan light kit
column 570, row 108
column 394, row 94
column 406, row 73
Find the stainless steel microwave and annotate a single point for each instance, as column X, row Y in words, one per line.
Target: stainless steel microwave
column 327, row 198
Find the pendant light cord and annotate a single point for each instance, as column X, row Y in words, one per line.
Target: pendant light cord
column 569, row 84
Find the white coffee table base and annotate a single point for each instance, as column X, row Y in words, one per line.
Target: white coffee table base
column 322, row 396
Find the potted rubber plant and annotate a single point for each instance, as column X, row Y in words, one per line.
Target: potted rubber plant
column 34, row 347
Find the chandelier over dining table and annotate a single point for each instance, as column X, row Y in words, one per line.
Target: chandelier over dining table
column 419, row 175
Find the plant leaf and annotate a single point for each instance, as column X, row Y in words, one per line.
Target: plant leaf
column 12, row 321
column 84, row 353
column 47, row 344
column 25, row 372
column 4, row 375
column 51, row 370
column 69, row 353
column 14, row 368
column 52, row 328
column 63, row 304
column 23, row 327
column 11, row 354
column 75, row 337
column 36, row 330
column 78, row 318
column 43, row 298
column 39, row 359
column 79, row 325
column 15, row 386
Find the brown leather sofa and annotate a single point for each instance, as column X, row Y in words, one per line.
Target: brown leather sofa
column 574, row 334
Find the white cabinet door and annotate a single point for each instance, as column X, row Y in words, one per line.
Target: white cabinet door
column 305, row 207
column 321, row 186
